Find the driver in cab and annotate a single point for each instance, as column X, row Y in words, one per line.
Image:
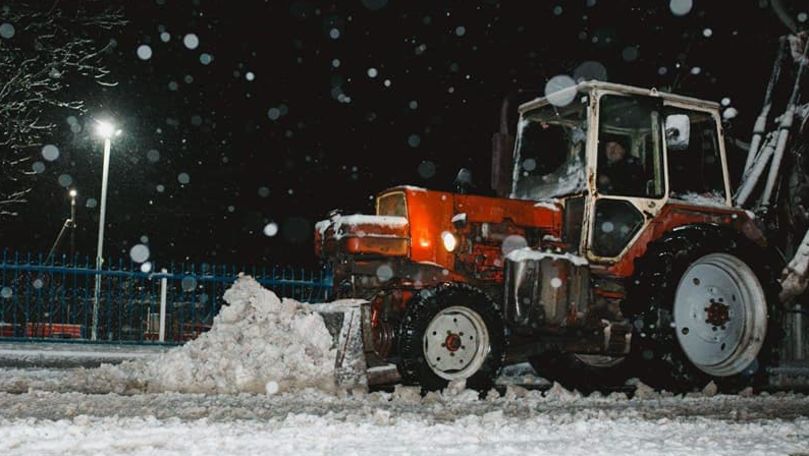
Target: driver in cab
column 619, row 173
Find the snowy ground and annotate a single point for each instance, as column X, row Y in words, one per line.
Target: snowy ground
column 71, row 354
column 313, row 422
column 266, row 366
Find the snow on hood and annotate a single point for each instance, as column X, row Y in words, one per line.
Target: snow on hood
column 548, row 205
column 529, row 254
column 258, row 343
column 359, row 219
column 379, row 220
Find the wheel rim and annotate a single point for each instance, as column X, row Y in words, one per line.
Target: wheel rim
column 720, row 314
column 456, row 343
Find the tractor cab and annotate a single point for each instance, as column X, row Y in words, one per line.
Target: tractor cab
column 614, row 156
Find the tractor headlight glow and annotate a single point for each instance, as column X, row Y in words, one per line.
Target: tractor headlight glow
column 449, row 240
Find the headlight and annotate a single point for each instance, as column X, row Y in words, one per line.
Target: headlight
column 449, row 240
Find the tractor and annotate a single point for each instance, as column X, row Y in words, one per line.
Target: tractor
column 615, row 247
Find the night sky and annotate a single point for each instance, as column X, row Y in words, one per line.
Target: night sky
column 306, row 106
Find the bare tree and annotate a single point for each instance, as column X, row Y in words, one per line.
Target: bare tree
column 45, row 54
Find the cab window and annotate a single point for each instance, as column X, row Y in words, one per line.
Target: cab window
column 549, row 156
column 629, row 161
column 695, row 166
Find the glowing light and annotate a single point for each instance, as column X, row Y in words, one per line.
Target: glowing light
column 449, row 240
column 105, row 129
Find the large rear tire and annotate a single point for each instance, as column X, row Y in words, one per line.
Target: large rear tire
column 452, row 332
column 705, row 308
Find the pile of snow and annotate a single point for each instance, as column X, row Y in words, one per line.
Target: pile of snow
column 258, row 343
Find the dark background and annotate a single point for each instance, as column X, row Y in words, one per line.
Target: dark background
column 324, row 153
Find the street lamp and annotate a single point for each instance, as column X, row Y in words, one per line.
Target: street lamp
column 70, row 223
column 107, row 131
column 73, row 194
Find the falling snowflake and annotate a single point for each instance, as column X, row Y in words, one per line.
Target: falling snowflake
column 139, row 253
column 50, row 152
column 271, row 229
column 559, row 91
column 681, row 7
column 191, row 41
column 6, row 31
column 144, row 52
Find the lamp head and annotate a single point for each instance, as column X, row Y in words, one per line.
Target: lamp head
column 105, row 129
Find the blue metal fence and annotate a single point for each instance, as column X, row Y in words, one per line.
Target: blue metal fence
column 40, row 300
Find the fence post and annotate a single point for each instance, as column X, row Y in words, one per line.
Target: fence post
column 163, row 289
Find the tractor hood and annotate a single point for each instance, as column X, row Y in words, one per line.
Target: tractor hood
column 440, row 228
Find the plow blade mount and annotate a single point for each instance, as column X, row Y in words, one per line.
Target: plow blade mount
column 356, row 364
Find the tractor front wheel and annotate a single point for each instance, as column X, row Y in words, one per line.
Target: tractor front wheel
column 452, row 332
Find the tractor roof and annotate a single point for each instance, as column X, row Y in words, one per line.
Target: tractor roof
column 626, row 89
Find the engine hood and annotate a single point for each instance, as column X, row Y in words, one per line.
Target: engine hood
column 414, row 222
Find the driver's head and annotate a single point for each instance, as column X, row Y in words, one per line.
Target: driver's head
column 614, row 151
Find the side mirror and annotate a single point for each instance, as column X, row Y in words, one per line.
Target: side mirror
column 463, row 181
column 678, row 131
column 502, row 156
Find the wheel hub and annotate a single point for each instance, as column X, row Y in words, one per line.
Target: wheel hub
column 717, row 313
column 453, row 341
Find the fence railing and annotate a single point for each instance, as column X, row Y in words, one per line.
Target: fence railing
column 168, row 303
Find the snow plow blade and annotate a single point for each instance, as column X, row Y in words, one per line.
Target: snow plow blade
column 349, row 322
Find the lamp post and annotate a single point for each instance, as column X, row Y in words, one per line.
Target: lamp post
column 73, row 194
column 106, row 130
column 70, row 224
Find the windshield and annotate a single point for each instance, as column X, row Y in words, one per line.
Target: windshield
column 549, row 160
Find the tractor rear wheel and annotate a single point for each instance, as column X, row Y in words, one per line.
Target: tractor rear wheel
column 452, row 332
column 705, row 308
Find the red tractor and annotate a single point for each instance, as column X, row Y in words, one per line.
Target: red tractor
column 613, row 250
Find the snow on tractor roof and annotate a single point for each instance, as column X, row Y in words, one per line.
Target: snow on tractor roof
column 619, row 88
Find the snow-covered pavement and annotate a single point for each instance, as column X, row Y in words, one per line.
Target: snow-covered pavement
column 260, row 383
column 312, row 422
